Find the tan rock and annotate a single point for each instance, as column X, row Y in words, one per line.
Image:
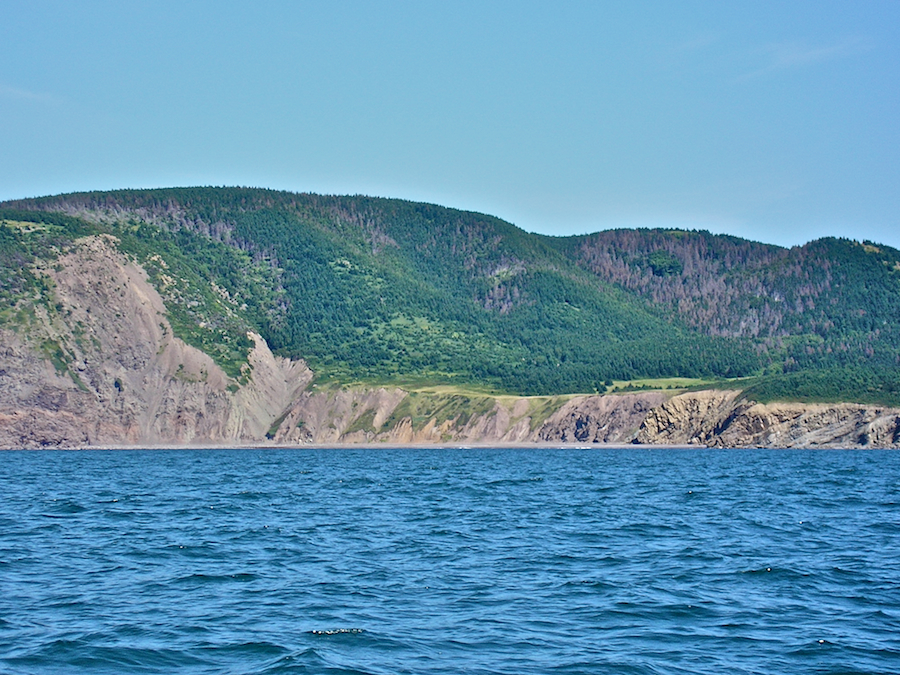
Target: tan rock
column 600, row 419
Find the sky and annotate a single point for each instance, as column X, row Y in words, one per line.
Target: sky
column 774, row 121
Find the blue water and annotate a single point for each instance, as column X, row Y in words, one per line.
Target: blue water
column 450, row 561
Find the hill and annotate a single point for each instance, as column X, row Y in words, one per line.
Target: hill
column 387, row 292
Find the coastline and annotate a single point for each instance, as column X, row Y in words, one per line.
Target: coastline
column 501, row 445
column 575, row 445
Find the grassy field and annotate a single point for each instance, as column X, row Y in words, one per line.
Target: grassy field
column 676, row 384
column 425, row 386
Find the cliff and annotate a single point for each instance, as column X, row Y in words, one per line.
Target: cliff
column 101, row 367
column 722, row 419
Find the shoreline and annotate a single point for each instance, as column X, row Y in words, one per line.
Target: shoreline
column 375, row 446
column 425, row 446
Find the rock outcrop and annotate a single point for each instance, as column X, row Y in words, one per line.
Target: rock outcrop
column 722, row 419
column 600, row 419
column 102, row 367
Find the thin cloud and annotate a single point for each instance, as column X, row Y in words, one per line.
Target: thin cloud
column 12, row 93
column 793, row 55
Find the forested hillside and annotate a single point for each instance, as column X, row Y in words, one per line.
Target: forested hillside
column 378, row 290
column 830, row 306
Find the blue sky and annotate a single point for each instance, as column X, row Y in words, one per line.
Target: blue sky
column 775, row 121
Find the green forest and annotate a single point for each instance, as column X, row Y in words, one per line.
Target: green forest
column 384, row 291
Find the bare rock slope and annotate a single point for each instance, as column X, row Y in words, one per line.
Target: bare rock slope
column 102, row 367
column 722, row 419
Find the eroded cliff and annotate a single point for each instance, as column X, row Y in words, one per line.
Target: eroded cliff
column 723, row 419
column 101, row 366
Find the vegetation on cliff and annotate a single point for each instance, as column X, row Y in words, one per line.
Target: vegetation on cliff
column 384, row 291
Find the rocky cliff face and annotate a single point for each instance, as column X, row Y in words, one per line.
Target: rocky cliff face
column 103, row 368
column 721, row 419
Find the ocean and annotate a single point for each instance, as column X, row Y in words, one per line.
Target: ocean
column 479, row 560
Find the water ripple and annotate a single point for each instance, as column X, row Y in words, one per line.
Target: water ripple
column 447, row 561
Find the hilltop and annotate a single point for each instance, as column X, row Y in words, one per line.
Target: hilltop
column 368, row 294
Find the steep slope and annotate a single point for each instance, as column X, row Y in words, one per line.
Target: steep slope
column 93, row 362
column 386, row 291
column 379, row 292
column 829, row 303
column 725, row 419
column 100, row 365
